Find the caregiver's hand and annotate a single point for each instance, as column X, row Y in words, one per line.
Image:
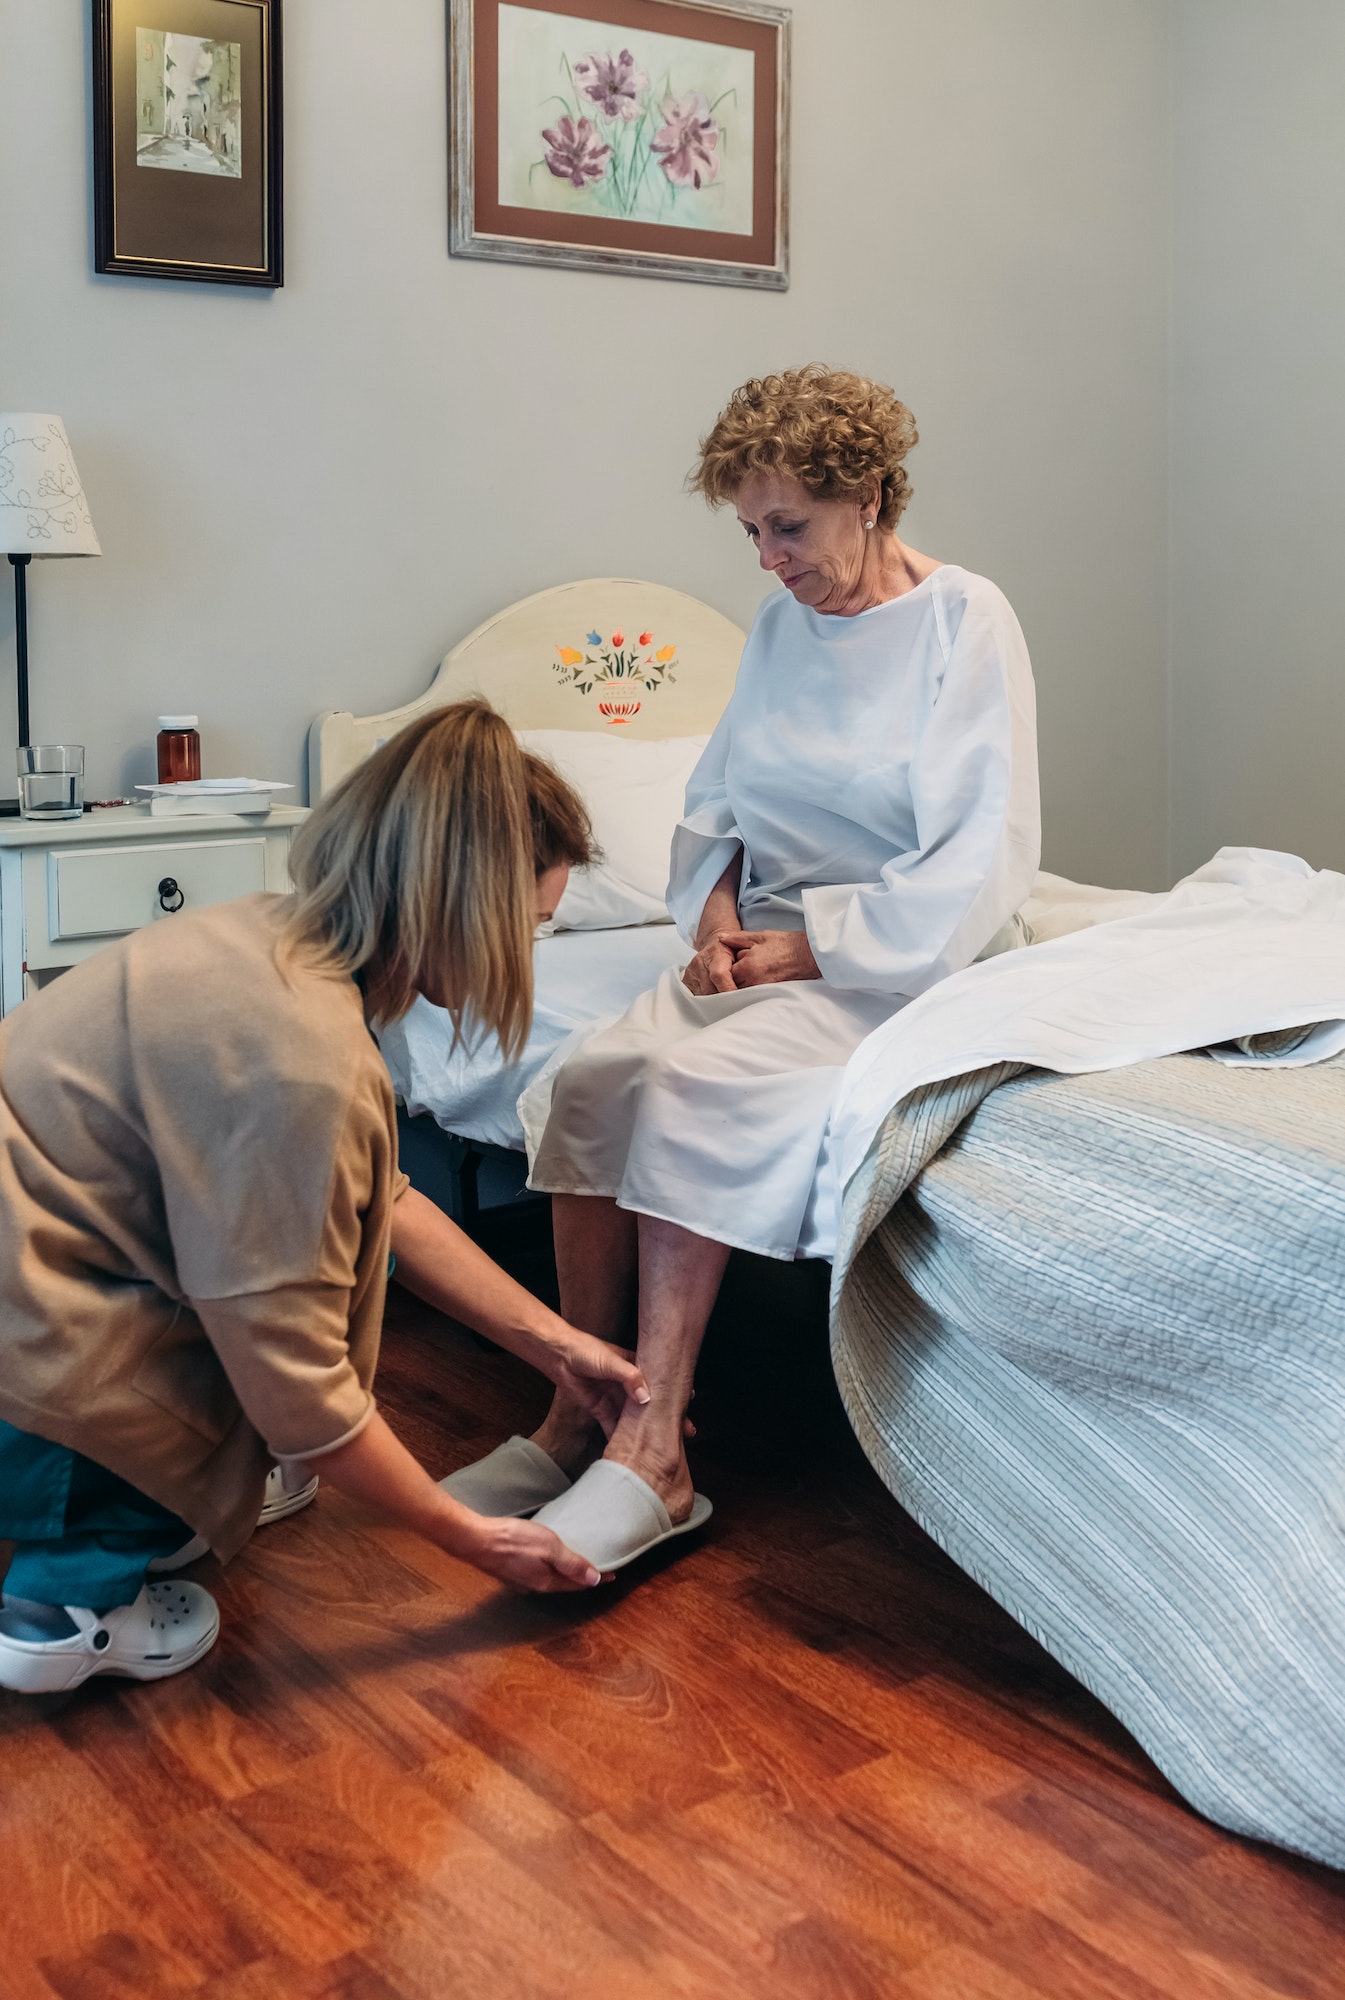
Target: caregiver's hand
column 763, row 958
column 711, row 970
column 527, row 1556
column 376, row 1467
column 597, row 1376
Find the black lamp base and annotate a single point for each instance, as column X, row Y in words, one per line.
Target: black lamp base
column 9, row 808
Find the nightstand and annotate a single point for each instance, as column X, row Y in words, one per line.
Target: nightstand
column 69, row 888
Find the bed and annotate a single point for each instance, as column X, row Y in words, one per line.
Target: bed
column 1088, row 1303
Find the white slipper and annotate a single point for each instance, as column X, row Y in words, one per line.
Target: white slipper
column 285, row 1495
column 169, row 1626
column 510, row 1482
column 612, row 1516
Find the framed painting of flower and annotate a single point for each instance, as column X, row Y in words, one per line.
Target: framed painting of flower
column 647, row 136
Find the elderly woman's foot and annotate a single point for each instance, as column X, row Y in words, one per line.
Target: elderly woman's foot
column 640, row 1442
column 569, row 1437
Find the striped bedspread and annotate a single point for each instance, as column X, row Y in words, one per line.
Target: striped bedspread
column 1090, row 1330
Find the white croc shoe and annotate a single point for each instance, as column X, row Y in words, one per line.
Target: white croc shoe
column 170, row 1626
column 281, row 1499
column 286, row 1492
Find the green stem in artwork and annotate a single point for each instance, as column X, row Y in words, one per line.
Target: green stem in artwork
column 639, row 154
column 646, row 163
column 614, row 170
column 625, row 156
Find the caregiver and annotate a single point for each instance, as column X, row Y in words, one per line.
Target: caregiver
column 199, row 1193
column 864, row 822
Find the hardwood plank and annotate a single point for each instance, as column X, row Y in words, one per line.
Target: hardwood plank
column 50, row 1904
column 111, row 1727
column 24, row 1980
column 164, row 1908
column 272, row 1902
column 119, row 1966
column 961, row 1973
column 832, row 1872
column 1212, row 1920
column 351, row 1978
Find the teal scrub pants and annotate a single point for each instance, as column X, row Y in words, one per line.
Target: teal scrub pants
column 83, row 1536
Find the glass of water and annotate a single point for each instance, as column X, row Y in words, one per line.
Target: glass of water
column 51, row 780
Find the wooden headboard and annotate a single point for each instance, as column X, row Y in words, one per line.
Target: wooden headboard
column 609, row 653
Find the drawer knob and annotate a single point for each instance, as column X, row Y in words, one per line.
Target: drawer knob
column 170, row 896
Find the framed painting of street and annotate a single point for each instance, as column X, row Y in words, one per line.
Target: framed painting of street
column 187, row 139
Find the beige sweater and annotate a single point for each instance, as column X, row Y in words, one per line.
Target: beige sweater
column 198, row 1161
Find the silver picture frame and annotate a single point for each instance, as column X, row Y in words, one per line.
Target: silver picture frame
column 482, row 226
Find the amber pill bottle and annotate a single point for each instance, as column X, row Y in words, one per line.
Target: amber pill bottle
column 179, row 748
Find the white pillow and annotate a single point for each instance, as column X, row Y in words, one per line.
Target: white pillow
column 634, row 791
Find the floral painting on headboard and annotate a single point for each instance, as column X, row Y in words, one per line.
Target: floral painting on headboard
column 616, row 666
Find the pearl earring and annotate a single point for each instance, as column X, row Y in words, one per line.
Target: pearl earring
column 868, row 524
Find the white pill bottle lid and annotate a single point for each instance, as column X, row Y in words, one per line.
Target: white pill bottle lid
column 178, row 721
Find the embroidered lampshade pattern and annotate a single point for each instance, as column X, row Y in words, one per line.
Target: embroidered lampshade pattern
column 42, row 503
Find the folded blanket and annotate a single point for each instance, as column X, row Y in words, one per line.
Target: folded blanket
column 1250, row 944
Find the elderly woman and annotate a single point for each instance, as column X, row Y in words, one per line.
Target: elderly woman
column 864, row 822
column 199, row 1196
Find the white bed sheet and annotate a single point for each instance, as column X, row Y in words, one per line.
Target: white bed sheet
column 585, row 979
column 1250, row 944
column 581, row 978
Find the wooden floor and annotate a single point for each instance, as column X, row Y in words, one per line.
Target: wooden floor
column 803, row 1758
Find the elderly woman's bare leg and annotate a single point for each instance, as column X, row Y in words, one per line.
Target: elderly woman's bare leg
column 596, row 1266
column 679, row 1275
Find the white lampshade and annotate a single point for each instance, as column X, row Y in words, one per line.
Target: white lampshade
column 43, row 511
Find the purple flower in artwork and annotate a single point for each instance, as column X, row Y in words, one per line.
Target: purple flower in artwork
column 575, row 153
column 613, row 83
column 687, row 142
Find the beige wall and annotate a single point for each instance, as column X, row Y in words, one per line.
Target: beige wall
column 1258, row 466
column 303, row 499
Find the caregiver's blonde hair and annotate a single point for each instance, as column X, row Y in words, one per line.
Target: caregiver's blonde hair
column 418, row 872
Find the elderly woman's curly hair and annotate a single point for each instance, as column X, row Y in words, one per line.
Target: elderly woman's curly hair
column 836, row 433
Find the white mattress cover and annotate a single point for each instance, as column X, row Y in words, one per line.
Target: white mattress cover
column 582, row 978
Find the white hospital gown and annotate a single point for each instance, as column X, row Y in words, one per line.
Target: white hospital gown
column 879, row 774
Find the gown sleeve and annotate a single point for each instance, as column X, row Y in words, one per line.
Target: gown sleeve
column 707, row 836
column 974, row 790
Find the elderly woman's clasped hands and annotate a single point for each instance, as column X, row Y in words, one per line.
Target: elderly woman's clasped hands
column 733, row 959
column 729, row 958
